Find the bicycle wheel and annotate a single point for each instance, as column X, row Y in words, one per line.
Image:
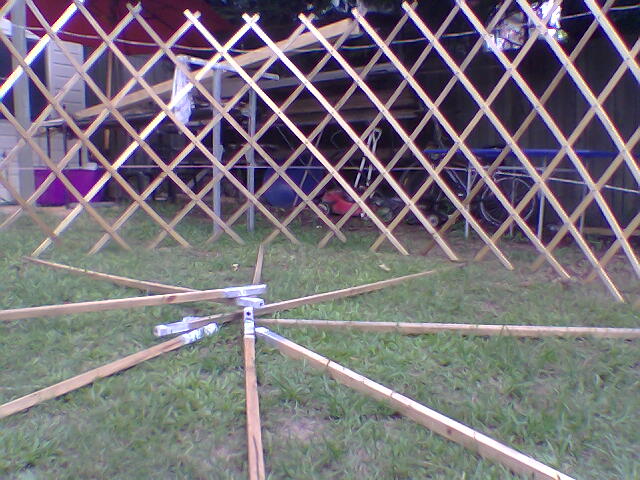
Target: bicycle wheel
column 514, row 188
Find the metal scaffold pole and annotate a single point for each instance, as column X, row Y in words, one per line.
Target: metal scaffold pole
column 21, row 104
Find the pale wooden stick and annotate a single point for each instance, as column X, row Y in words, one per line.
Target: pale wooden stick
column 399, row 155
column 434, row 421
column 576, row 161
column 614, row 36
column 167, row 170
column 37, row 123
column 319, row 297
column 24, row 205
column 71, row 384
column 6, row 8
column 409, row 328
column 115, row 279
column 74, row 383
column 479, row 168
column 471, row 125
column 374, row 123
column 111, row 169
column 409, row 202
column 257, row 271
column 254, row 434
column 58, row 173
column 33, row 128
column 36, row 50
column 138, row 139
column 612, row 168
column 194, row 140
column 183, row 154
column 606, row 123
column 115, row 304
column 451, row 131
column 606, row 258
column 255, row 56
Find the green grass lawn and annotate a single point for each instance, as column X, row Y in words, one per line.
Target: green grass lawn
column 573, row 404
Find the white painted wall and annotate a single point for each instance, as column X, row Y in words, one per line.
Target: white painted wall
column 7, row 140
column 58, row 72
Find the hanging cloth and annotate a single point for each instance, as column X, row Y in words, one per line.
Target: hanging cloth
column 183, row 108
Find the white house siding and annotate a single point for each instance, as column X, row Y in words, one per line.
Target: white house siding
column 59, row 71
column 8, row 138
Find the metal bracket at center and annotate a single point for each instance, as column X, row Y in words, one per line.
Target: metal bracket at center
column 249, row 323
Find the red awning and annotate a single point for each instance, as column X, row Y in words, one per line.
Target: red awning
column 165, row 16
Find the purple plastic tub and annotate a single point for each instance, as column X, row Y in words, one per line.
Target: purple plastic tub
column 57, row 193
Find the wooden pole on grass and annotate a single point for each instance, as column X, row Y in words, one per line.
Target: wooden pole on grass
column 318, row 298
column 434, row 421
column 257, row 271
column 74, row 383
column 115, row 279
column 409, row 328
column 149, row 353
column 116, row 304
column 254, row 434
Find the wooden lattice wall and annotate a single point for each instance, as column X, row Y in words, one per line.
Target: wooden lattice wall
column 441, row 46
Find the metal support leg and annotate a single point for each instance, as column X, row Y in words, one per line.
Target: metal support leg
column 541, row 205
column 217, row 150
column 251, row 160
column 466, row 222
column 21, row 103
column 585, row 191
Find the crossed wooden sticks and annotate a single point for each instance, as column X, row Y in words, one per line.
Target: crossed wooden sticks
column 199, row 327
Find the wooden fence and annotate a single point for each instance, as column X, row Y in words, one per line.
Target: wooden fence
column 510, row 192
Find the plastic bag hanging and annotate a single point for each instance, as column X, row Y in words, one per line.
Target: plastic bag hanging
column 510, row 33
column 513, row 30
column 182, row 109
column 553, row 14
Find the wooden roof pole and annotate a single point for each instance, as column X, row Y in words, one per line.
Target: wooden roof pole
column 255, row 56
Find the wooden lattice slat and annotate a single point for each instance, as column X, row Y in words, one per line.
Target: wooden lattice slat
column 139, row 140
column 522, row 84
column 251, row 141
column 294, row 129
column 451, row 132
column 420, row 127
column 44, row 115
column 327, row 119
column 259, row 149
column 111, row 169
column 611, row 169
column 331, row 51
column 608, row 125
column 298, row 151
column 522, row 129
column 26, row 68
column 384, row 171
column 409, row 141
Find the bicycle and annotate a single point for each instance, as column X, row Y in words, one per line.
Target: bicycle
column 461, row 179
